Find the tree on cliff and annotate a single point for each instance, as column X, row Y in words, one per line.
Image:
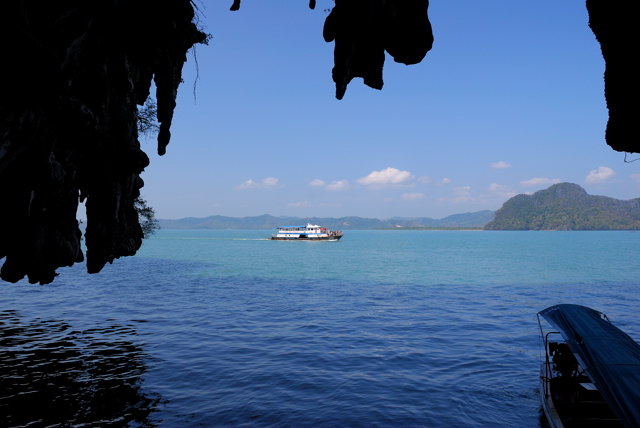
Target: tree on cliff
column 147, row 125
column 147, row 217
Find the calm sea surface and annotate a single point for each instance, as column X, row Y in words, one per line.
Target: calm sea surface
column 229, row 328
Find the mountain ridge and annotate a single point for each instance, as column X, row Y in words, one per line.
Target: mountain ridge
column 562, row 206
column 475, row 219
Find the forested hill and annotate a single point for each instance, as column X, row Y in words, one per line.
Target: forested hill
column 566, row 206
column 468, row 220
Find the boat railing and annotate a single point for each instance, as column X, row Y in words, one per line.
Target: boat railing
column 548, row 363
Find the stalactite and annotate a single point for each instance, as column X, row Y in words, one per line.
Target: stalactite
column 68, row 117
column 615, row 27
column 364, row 29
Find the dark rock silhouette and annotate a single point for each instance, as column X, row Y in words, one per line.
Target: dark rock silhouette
column 615, row 27
column 236, row 5
column 363, row 30
column 68, row 124
column 75, row 71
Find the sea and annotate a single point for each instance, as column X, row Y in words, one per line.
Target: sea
column 384, row 328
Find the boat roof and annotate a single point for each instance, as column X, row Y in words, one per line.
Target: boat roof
column 300, row 225
column 609, row 356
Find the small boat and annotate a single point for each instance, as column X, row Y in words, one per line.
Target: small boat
column 310, row 232
column 591, row 373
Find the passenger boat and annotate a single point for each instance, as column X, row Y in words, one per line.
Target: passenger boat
column 591, row 373
column 310, row 232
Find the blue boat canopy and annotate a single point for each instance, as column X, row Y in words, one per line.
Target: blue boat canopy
column 609, row 356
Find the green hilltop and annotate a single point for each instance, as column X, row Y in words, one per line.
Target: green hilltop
column 566, row 206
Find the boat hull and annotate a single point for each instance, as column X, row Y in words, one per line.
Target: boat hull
column 328, row 238
column 591, row 373
column 552, row 418
column 310, row 232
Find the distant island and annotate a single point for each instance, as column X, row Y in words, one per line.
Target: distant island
column 475, row 220
column 566, row 206
column 563, row 206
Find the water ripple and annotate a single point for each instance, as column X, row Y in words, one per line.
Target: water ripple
column 52, row 375
column 382, row 329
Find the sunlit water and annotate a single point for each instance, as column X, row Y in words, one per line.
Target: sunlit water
column 229, row 328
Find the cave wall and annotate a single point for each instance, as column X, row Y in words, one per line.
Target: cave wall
column 75, row 72
column 615, row 25
column 363, row 30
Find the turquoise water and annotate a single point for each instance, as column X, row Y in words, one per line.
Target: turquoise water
column 383, row 328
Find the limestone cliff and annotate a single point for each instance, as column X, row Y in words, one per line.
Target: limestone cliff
column 74, row 73
column 615, row 27
column 566, row 206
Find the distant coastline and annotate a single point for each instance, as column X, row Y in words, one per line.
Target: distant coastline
column 563, row 206
column 434, row 228
column 469, row 221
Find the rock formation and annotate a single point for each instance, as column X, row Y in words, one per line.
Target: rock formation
column 74, row 73
column 363, row 30
column 615, row 27
column 566, row 206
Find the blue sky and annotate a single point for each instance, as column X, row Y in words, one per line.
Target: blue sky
column 510, row 100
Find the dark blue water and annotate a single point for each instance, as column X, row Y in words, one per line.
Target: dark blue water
column 383, row 328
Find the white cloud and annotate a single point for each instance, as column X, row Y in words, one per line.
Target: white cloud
column 338, row 185
column 495, row 187
column 269, row 182
column 386, row 177
column 500, row 165
column 635, row 178
column 249, row 184
column 501, row 190
column 445, row 180
column 265, row 183
column 412, row 196
column 299, row 204
column 424, row 179
column 539, row 181
column 335, row 185
column 599, row 175
column 462, row 194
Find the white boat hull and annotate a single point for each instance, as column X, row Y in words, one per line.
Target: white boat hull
column 310, row 232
